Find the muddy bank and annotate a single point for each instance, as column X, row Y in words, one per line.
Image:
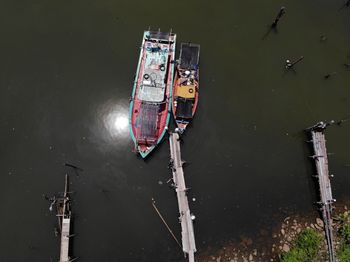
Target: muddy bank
column 272, row 244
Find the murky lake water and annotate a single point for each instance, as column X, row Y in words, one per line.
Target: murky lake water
column 66, row 73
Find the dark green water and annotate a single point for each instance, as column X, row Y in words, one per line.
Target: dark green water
column 66, row 73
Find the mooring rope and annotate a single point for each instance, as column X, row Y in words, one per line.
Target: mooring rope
column 165, row 223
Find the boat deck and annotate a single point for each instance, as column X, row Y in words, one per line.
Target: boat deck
column 153, row 79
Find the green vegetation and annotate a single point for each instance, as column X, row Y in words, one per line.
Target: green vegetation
column 294, row 255
column 305, row 247
column 345, row 233
column 343, row 253
column 342, row 218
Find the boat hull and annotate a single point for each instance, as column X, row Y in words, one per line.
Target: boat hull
column 186, row 86
column 150, row 105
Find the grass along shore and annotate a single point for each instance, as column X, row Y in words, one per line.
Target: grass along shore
column 296, row 239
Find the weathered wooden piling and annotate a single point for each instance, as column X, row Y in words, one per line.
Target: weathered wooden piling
column 281, row 12
column 290, row 64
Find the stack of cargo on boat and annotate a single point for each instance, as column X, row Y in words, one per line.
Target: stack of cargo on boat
column 150, row 104
column 186, row 85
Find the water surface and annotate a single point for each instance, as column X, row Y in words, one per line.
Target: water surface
column 66, row 75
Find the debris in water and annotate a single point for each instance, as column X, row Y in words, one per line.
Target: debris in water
column 56, row 232
column 323, row 38
column 278, row 17
column 329, row 75
column 290, row 64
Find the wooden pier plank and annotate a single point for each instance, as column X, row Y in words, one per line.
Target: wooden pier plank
column 64, row 257
column 326, row 198
column 188, row 240
column 65, row 220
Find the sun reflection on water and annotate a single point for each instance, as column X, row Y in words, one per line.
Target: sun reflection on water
column 121, row 122
column 115, row 119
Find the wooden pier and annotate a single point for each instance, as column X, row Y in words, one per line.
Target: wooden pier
column 326, row 198
column 187, row 233
column 64, row 221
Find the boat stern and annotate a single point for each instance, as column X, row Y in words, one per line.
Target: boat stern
column 144, row 152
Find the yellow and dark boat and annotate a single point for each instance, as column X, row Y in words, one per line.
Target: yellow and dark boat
column 186, row 85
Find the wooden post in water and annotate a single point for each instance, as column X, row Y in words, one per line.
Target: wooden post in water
column 278, row 17
column 290, row 64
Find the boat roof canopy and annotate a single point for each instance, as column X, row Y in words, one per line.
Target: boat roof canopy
column 159, row 35
column 185, row 91
column 184, row 108
column 148, row 122
column 189, row 56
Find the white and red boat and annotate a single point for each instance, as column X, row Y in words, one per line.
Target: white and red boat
column 150, row 105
